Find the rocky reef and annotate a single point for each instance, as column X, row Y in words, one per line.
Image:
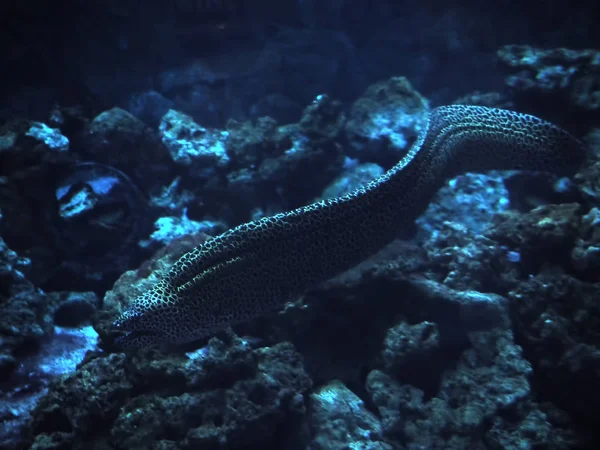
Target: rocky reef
column 480, row 329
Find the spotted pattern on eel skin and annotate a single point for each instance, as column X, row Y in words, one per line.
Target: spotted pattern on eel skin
column 259, row 266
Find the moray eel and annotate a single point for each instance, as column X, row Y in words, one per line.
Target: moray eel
column 259, row 266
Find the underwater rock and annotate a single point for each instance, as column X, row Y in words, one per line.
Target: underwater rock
column 464, row 260
column 75, row 308
column 396, row 404
column 33, row 350
column 70, row 120
column 385, row 121
column 51, row 137
column 354, row 176
column 243, row 191
column 350, row 315
column 29, row 316
column 466, row 310
column 226, row 392
column 324, row 119
column 410, row 347
column 585, row 255
column 81, row 401
column 13, row 271
column 471, row 199
column 59, row 354
column 200, row 150
column 173, row 197
column 556, row 319
column 23, row 329
column 279, row 165
column 25, row 144
column 249, row 143
column 588, row 178
column 543, row 236
column 169, row 228
column 117, row 138
column 533, row 426
column 149, row 106
column 490, row 376
column 571, row 74
column 340, row 420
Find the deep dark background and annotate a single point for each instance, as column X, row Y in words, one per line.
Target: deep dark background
column 101, row 53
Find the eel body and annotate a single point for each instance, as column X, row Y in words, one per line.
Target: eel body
column 258, row 266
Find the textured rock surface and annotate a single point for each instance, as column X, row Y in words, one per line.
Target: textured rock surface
column 562, row 72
